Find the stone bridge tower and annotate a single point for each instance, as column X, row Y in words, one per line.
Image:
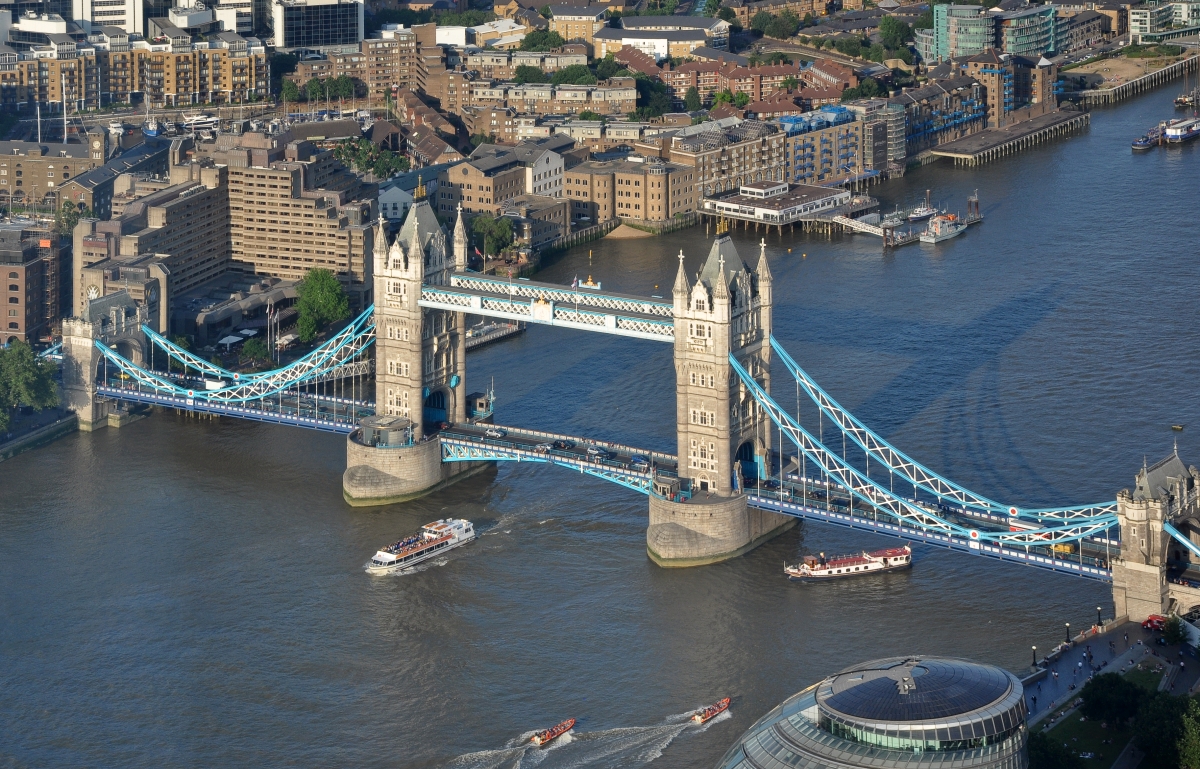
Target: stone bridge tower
column 114, row 320
column 723, row 436
column 1165, row 492
column 420, row 366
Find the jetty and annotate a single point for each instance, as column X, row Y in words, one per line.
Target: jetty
column 993, row 143
column 1099, row 96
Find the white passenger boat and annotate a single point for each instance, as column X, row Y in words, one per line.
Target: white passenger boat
column 819, row 567
column 942, row 227
column 433, row 539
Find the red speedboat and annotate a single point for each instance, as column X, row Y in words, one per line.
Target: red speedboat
column 712, row 711
column 543, row 737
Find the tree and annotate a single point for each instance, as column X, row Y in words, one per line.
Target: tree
column 68, row 216
column 364, row 156
column 722, row 97
column 587, row 114
column 726, row 14
column 281, row 64
column 315, row 89
column 496, row 233
column 783, row 26
column 1173, row 632
column 741, row 99
column 894, row 33
column 527, row 74
column 790, row 83
column 691, row 99
column 652, row 100
column 876, row 52
column 576, row 74
column 924, row 21
column 1045, row 753
column 542, row 40
column 711, row 7
column 867, row 89
column 1159, row 728
column 761, row 21
column 1111, row 697
column 183, row 343
column 546, row 12
column 290, row 92
column 24, row 381
column 254, row 350
column 322, row 300
column 607, row 67
column 477, row 139
column 1189, row 742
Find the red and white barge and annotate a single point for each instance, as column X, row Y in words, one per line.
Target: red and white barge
column 815, row 567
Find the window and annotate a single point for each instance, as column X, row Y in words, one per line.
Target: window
column 702, row 417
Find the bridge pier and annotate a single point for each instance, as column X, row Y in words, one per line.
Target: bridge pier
column 707, row 530
column 115, row 319
column 384, row 474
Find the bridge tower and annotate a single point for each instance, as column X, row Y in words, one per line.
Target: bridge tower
column 1163, row 493
column 420, row 366
column 723, row 436
column 114, row 320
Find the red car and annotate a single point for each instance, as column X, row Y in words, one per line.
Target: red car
column 1154, row 622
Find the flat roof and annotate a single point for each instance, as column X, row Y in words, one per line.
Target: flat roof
column 797, row 195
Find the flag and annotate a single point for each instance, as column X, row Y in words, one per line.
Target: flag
column 575, row 283
column 477, row 251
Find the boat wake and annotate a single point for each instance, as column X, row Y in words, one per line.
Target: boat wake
column 622, row 747
column 503, row 525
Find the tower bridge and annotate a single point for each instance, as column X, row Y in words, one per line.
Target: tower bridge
column 394, row 382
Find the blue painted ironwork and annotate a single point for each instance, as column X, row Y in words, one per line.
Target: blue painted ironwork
column 457, row 448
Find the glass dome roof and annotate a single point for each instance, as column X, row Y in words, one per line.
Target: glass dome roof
column 905, row 690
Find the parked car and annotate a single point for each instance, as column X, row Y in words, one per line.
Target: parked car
column 563, row 445
column 1154, row 622
column 598, row 453
column 494, row 432
column 543, row 448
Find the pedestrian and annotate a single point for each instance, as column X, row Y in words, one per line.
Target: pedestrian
column 1035, row 702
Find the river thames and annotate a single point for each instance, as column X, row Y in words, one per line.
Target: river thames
column 190, row 593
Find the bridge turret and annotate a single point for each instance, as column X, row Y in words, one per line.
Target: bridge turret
column 1164, row 494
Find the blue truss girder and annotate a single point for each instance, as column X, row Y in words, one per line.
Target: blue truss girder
column 584, row 297
column 901, row 530
column 458, row 449
column 864, row 488
column 241, row 412
column 909, row 469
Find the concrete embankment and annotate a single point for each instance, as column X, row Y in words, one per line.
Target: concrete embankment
column 40, row 436
column 1101, row 96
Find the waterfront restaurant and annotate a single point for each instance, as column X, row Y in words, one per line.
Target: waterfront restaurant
column 777, row 203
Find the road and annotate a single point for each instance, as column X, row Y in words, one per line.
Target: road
column 528, row 440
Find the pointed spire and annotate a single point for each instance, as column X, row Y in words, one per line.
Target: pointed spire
column 763, row 269
column 381, row 242
column 681, row 281
column 460, row 242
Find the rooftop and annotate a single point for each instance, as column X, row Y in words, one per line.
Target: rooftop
column 904, row 690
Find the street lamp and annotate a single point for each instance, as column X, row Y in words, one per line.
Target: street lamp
column 1098, row 620
column 1068, row 624
column 1035, row 656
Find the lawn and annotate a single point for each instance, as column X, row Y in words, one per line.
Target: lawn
column 1104, row 742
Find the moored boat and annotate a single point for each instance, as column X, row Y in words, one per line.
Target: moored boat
column 547, row 735
column 921, row 213
column 1182, row 131
column 1142, row 144
column 942, row 227
column 432, row 539
column 705, row 715
column 820, row 567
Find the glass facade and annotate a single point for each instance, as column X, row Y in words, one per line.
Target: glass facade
column 317, row 25
column 933, row 713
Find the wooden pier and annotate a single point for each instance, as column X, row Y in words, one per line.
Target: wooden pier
column 993, row 143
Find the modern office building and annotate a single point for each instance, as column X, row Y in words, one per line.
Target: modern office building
column 910, row 712
column 967, row 30
column 961, row 30
column 317, row 25
column 1148, row 19
column 126, row 14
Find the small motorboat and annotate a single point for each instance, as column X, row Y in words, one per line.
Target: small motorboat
column 547, row 735
column 1142, row 144
column 712, row 711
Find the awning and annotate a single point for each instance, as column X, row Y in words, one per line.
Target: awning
column 248, row 332
column 230, row 340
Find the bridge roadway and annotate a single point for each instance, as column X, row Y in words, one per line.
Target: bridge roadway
column 554, row 305
column 328, row 414
column 471, row 443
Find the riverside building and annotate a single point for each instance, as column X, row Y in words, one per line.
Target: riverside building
column 910, row 712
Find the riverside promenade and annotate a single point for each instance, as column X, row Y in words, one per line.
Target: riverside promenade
column 1129, row 642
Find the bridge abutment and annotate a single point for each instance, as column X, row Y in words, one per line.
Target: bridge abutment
column 383, row 474
column 1165, row 494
